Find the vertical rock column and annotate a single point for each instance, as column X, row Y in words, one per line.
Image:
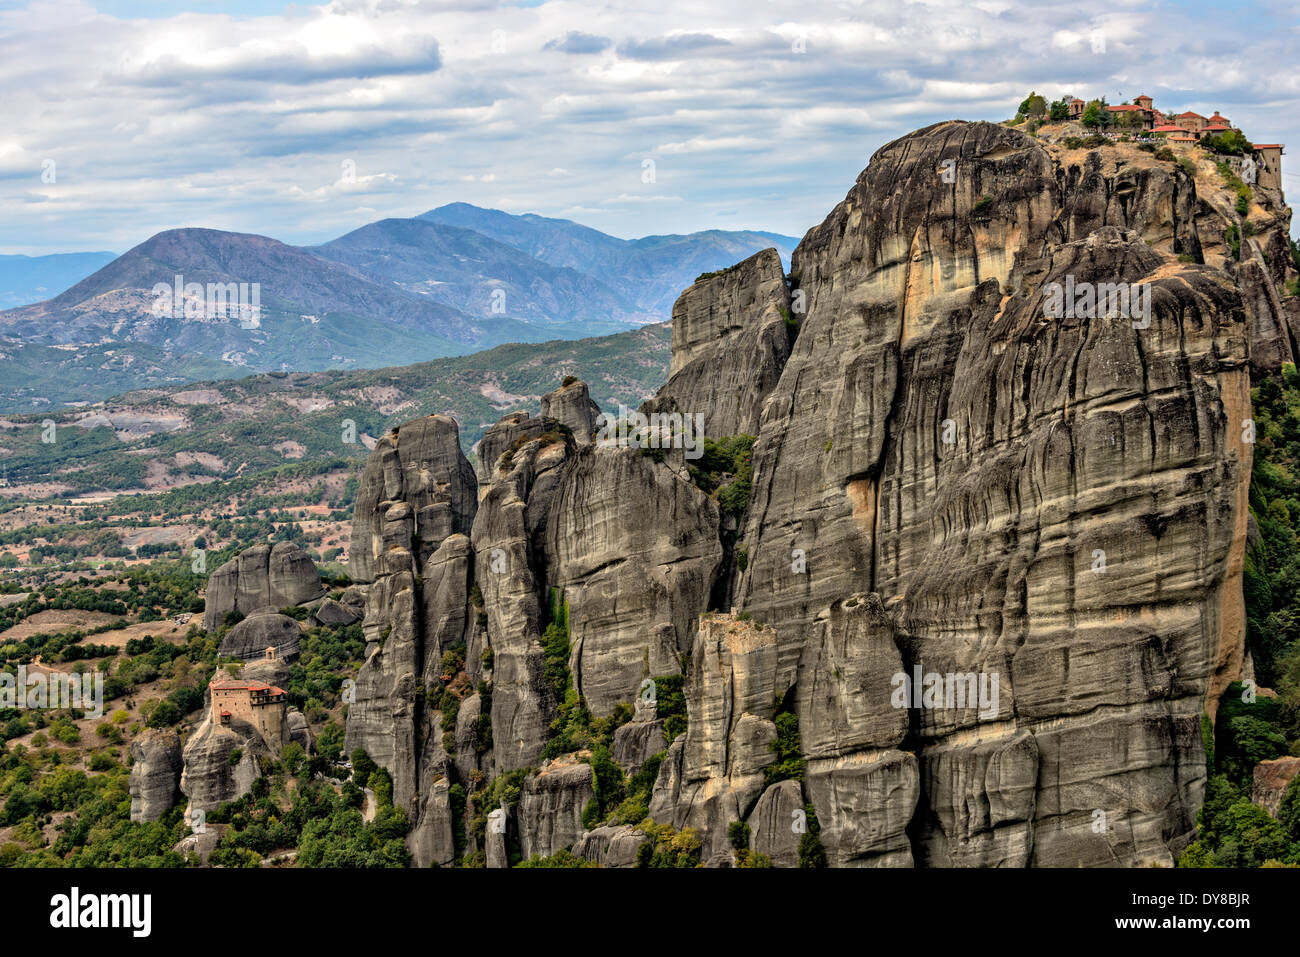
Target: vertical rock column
column 417, row 493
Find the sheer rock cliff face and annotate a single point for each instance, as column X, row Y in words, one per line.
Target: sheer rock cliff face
column 550, row 807
column 713, row 774
column 508, row 556
column 730, row 342
column 633, row 547
column 415, row 508
column 155, row 774
column 1059, row 502
column 417, row 465
column 989, row 573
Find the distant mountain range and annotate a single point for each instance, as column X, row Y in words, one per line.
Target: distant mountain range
column 455, row 280
column 650, row 272
column 28, row 279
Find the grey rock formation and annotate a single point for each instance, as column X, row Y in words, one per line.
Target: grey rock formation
column 420, row 465
column 635, row 583
column 991, row 560
column 778, row 823
column 864, row 802
column 551, row 804
column 713, row 774
column 383, row 718
column 495, row 851
column 508, row 549
column 261, row 578
column 850, row 726
column 155, row 774
column 982, row 811
column 432, row 840
column 444, row 592
column 417, row 502
column 957, row 453
column 469, row 757
column 846, row 681
column 250, row 639
column 730, row 342
column 334, row 614
column 298, row 731
column 570, row 405
column 506, row 436
column 611, row 846
column 636, row 742
column 209, row 779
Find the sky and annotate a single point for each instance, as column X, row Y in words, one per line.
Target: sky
column 121, row 118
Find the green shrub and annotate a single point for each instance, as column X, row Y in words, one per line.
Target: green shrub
column 65, row 731
column 555, row 645
column 811, row 852
column 668, row 848
column 789, row 763
column 561, row 858
column 738, row 835
column 670, row 704
column 362, row 767
column 724, row 470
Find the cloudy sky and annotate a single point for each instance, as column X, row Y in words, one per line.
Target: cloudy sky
column 303, row 121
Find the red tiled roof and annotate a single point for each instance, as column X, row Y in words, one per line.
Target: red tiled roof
column 1167, row 128
column 1125, row 108
column 1267, row 146
column 1191, row 114
column 247, row 686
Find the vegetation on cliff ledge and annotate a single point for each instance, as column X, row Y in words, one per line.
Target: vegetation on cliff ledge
column 1260, row 720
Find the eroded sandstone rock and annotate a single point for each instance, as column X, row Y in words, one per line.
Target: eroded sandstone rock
column 778, row 823
column 731, row 338
column 1046, row 508
column 633, row 548
column 713, row 774
column 432, row 840
column 936, row 438
column 261, row 578
column 611, row 846
column 155, row 774
column 209, row 779
column 551, row 805
column 253, row 636
column 419, row 464
column 570, row 405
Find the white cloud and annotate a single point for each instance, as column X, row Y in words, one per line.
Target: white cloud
column 243, row 122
